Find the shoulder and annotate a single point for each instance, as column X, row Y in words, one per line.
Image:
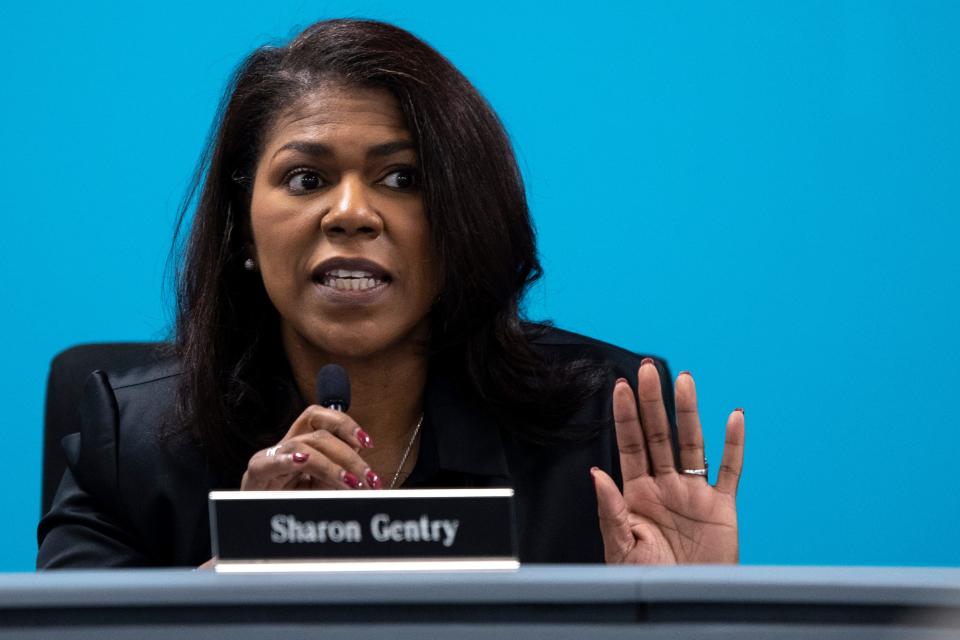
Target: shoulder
column 144, row 378
column 93, row 383
column 145, row 400
column 145, row 394
column 587, row 358
column 567, row 346
column 123, row 416
column 139, row 397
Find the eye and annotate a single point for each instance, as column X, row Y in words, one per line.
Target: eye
column 303, row 181
column 405, row 178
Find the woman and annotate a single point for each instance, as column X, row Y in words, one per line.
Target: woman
column 361, row 205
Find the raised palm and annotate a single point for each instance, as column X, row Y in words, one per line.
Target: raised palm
column 664, row 516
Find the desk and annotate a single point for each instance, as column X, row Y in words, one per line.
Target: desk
column 541, row 602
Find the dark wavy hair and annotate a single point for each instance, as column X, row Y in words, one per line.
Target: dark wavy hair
column 227, row 331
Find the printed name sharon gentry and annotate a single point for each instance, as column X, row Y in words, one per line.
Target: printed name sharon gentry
column 287, row 529
column 471, row 524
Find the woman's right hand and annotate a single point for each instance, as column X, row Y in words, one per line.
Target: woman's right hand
column 319, row 451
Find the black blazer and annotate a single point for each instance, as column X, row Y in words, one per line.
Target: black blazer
column 132, row 498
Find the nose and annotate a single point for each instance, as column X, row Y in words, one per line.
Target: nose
column 351, row 213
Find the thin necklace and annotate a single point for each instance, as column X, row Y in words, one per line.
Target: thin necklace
column 406, row 453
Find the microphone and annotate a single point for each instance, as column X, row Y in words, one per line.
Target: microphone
column 333, row 388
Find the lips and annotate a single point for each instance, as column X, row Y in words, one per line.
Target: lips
column 350, row 276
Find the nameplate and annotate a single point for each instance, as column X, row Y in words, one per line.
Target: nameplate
column 404, row 529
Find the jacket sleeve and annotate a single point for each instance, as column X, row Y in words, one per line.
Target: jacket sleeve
column 86, row 527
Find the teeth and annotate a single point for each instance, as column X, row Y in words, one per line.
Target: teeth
column 344, row 273
column 351, row 284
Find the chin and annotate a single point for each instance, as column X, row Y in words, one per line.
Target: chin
column 353, row 342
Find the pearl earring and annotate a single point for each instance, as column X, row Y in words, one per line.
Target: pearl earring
column 250, row 264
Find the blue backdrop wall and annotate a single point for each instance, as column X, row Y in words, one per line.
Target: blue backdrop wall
column 764, row 193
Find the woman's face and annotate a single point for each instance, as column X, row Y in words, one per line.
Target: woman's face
column 338, row 225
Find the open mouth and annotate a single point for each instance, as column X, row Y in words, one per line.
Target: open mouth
column 347, row 280
column 350, row 275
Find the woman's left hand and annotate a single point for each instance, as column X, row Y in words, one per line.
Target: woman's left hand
column 664, row 516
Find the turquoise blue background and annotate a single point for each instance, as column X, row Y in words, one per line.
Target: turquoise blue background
column 765, row 193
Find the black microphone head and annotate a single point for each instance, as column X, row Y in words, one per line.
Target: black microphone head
column 333, row 387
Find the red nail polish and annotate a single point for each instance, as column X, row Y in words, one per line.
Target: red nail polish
column 299, row 457
column 350, row 480
column 373, row 479
column 365, row 440
column 647, row 361
column 686, row 373
column 740, row 409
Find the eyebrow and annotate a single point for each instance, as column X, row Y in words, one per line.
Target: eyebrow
column 320, row 150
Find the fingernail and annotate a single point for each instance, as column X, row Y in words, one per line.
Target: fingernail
column 647, row 361
column 350, row 480
column 373, row 479
column 619, row 380
column 686, row 373
column 740, row 409
column 365, row 440
column 299, row 457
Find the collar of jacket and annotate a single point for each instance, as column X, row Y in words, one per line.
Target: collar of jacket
column 467, row 434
